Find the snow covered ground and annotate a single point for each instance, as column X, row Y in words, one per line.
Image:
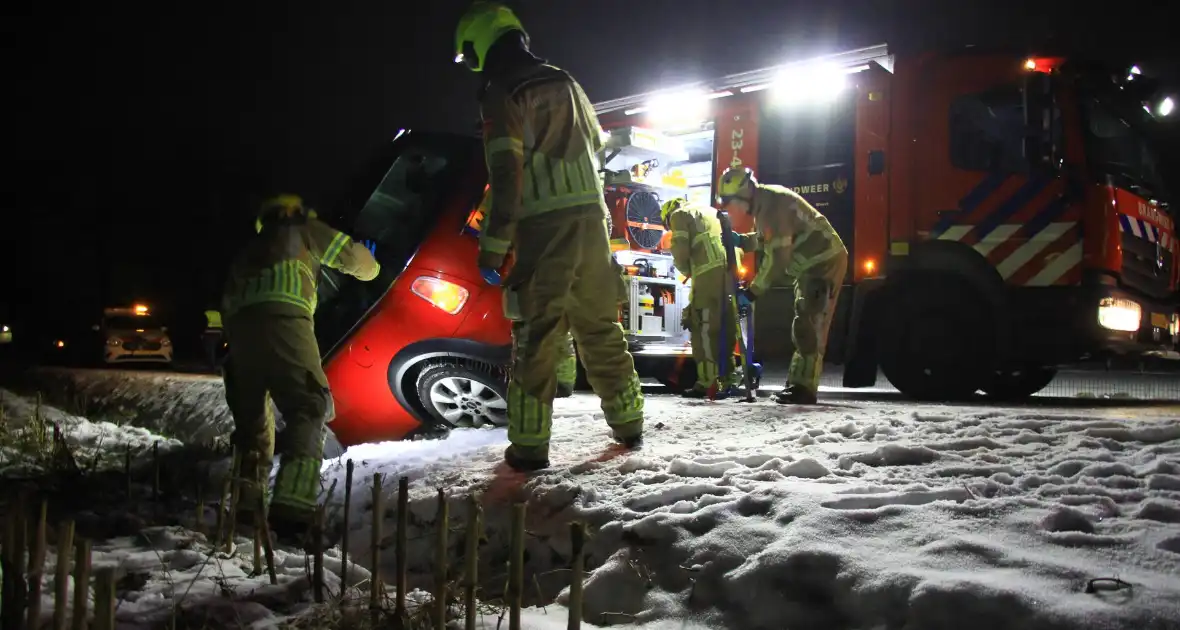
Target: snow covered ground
column 852, row 514
column 188, row 407
column 849, row 515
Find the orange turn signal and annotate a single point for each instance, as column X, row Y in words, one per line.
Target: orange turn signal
column 444, row 295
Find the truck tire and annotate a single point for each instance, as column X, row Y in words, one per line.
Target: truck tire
column 937, row 339
column 1017, row 384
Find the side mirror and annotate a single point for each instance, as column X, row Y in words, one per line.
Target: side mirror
column 96, row 328
column 163, row 329
column 1041, row 143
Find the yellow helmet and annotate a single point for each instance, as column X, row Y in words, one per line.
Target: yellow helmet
column 481, row 25
column 732, row 182
column 669, row 206
column 281, row 207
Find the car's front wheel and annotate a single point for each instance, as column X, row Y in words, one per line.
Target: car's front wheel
column 456, row 395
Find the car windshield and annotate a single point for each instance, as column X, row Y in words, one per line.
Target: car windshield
column 403, row 193
column 1119, row 146
column 128, row 322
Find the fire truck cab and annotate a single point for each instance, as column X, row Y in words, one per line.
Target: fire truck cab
column 1004, row 215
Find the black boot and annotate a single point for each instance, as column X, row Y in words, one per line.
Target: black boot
column 796, row 395
column 564, row 390
column 630, row 436
column 290, row 526
column 522, row 460
column 694, row 392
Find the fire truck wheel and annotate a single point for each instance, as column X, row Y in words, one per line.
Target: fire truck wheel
column 936, row 339
column 1018, row 383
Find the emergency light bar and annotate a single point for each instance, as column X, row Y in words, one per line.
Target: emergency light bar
column 752, row 81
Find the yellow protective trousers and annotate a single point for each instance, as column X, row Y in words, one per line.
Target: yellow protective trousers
column 565, row 282
column 816, row 293
column 708, row 298
column 274, row 354
column 567, row 362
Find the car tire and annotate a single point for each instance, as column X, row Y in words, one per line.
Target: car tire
column 456, row 395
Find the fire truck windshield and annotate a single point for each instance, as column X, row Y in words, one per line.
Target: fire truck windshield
column 1119, row 145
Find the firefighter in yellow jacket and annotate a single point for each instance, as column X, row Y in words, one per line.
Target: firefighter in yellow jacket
column 541, row 137
column 793, row 240
column 698, row 253
column 567, row 357
column 268, row 304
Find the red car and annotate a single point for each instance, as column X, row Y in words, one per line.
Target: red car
column 425, row 345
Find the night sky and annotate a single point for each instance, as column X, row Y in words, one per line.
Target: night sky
column 138, row 143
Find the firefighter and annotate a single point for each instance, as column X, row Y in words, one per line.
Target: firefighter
column 567, row 367
column 268, row 304
column 793, row 240
column 698, row 253
column 541, row 137
column 567, row 358
column 212, row 337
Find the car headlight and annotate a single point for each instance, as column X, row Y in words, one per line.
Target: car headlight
column 1119, row 314
column 114, row 342
column 165, row 342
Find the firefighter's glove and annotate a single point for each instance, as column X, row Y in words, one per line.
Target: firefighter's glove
column 745, row 298
column 490, row 276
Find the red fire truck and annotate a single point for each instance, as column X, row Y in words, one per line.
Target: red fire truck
column 1004, row 215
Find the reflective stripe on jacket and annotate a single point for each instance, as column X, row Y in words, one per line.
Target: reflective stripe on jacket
column 541, row 139
column 282, row 264
column 696, row 240
column 792, row 235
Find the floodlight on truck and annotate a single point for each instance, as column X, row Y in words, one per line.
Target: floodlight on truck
column 809, row 83
column 1165, row 107
column 692, row 103
column 820, row 83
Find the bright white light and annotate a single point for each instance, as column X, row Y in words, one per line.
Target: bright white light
column 819, row 83
column 1119, row 314
column 679, row 105
column 674, row 108
column 1134, row 71
column 4, row 329
column 1166, row 106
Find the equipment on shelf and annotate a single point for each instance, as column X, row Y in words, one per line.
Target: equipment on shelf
column 635, row 215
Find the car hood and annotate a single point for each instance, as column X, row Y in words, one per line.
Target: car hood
column 150, row 335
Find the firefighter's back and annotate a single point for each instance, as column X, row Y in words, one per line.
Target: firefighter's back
column 561, row 141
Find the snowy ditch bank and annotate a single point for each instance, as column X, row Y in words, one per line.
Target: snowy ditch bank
column 188, row 407
column 851, row 515
column 847, row 515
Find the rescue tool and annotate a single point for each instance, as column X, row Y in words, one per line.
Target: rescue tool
column 751, row 372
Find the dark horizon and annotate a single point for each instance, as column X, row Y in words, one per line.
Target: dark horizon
column 143, row 140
